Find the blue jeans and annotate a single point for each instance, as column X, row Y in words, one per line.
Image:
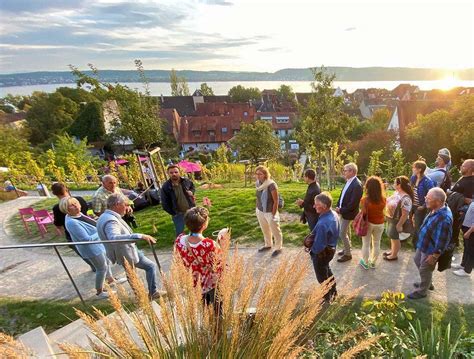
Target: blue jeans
column 102, row 266
column 150, row 269
column 178, row 220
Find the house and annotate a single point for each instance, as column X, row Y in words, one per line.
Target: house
column 405, row 92
column 15, row 119
column 209, row 132
column 283, row 123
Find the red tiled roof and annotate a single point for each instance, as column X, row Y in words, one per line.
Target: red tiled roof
column 205, row 129
column 7, row 118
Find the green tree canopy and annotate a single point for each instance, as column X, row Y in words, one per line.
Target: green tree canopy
column 89, row 123
column 256, row 140
column 240, row 93
column 179, row 86
column 13, row 142
column 286, row 93
column 323, row 121
column 50, row 115
column 137, row 118
column 206, row 90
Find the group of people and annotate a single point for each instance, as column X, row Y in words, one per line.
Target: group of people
column 109, row 206
column 425, row 207
column 422, row 207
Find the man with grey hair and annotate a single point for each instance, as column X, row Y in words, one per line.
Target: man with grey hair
column 326, row 233
column 99, row 200
column 440, row 174
column 347, row 207
column 433, row 239
column 111, row 226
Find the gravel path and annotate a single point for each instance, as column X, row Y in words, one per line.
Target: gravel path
column 37, row 274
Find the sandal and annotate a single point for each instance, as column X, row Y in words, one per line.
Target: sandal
column 386, row 254
column 390, row 259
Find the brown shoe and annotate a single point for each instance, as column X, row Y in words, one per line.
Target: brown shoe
column 344, row 258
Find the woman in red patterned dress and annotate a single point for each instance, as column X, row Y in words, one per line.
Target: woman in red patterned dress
column 202, row 255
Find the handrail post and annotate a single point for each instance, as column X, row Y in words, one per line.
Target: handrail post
column 70, row 277
column 156, row 257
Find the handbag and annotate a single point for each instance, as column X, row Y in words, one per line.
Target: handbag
column 408, row 225
column 309, row 240
column 361, row 222
column 445, row 259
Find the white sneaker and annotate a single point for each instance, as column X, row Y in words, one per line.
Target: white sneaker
column 102, row 295
column 461, row 273
column 456, row 266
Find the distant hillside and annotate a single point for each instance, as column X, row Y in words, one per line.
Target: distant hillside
column 342, row 74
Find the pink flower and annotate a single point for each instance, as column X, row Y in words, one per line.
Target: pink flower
column 206, row 202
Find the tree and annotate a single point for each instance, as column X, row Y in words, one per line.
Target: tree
column 137, row 118
column 323, row 122
column 375, row 164
column 50, row 115
column 179, row 86
column 240, row 93
column 256, row 140
column 373, row 141
column 463, row 119
column 75, row 158
column 13, row 143
column 380, row 119
column 206, row 90
column 89, row 123
column 286, row 93
column 428, row 134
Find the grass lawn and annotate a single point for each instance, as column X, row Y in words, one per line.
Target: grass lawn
column 18, row 316
column 232, row 206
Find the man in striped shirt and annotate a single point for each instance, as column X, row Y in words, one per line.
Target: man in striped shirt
column 433, row 239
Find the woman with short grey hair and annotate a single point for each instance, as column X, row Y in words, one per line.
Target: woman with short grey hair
column 83, row 229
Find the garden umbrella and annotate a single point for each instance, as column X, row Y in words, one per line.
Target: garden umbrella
column 189, row 166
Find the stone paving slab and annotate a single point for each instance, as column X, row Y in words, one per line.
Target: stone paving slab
column 32, row 274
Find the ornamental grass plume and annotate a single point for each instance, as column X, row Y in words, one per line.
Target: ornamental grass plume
column 11, row 348
column 260, row 315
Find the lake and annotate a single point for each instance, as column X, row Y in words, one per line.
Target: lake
column 222, row 87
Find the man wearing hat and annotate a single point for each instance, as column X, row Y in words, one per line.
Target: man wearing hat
column 443, row 162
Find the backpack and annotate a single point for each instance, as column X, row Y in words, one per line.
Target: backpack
column 447, row 181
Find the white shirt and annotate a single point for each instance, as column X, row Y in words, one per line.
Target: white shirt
column 346, row 186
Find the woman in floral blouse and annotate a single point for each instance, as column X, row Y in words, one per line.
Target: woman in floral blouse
column 202, row 255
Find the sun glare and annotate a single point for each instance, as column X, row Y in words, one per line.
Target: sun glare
column 447, row 83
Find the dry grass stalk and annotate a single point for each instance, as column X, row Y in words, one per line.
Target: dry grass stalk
column 11, row 348
column 286, row 313
column 360, row 347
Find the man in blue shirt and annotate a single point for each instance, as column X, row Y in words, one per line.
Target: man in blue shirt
column 433, row 239
column 326, row 234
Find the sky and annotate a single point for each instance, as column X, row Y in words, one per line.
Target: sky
column 39, row 35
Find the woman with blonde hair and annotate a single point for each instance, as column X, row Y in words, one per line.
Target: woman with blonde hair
column 267, row 210
column 83, row 229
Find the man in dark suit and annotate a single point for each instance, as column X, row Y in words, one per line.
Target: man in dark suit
column 348, row 207
column 309, row 215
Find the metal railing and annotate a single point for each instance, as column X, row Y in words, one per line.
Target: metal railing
column 68, row 244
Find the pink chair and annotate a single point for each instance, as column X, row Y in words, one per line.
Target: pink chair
column 43, row 218
column 26, row 215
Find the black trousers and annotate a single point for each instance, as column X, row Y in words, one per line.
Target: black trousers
column 468, row 255
column 323, row 272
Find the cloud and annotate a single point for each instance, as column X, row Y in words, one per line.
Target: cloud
column 271, row 49
column 20, row 6
column 352, row 28
column 217, row 2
